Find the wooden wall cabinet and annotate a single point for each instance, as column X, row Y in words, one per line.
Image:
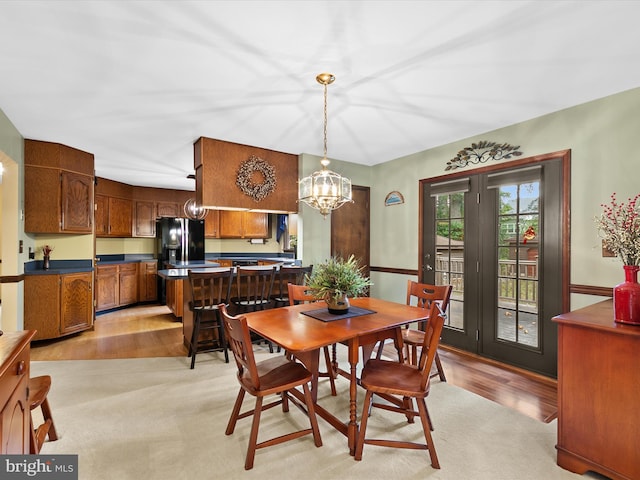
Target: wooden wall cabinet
column 212, row 224
column 58, row 305
column 116, row 285
column 15, row 414
column 598, row 391
column 58, row 186
column 144, row 219
column 114, row 216
column 235, row 224
column 148, row 281
column 169, row 209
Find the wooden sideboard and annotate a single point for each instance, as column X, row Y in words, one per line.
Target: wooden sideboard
column 15, row 415
column 598, row 393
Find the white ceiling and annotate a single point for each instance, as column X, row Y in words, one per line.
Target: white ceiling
column 137, row 82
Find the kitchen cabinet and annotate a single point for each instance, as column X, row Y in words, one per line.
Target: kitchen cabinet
column 169, row 209
column 107, row 293
column 212, row 224
column 128, row 283
column 145, row 219
column 15, row 415
column 114, row 216
column 116, row 285
column 58, row 186
column 234, row 224
column 58, row 304
column 175, row 296
column 148, row 281
column 598, row 390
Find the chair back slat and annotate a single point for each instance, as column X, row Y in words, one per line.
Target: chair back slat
column 210, row 288
column 239, row 339
column 433, row 330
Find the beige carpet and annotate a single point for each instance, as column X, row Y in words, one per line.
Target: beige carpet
column 154, row 418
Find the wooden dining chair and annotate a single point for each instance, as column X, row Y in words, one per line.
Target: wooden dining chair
column 38, row 390
column 391, row 378
column 208, row 290
column 422, row 295
column 425, row 294
column 299, row 294
column 285, row 276
column 277, row 376
column 254, row 285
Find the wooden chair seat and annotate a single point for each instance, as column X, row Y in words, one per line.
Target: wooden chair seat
column 38, row 390
column 274, row 376
column 393, row 379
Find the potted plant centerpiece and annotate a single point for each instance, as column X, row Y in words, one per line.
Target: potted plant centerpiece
column 336, row 280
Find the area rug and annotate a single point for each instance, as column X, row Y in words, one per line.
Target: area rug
column 154, row 418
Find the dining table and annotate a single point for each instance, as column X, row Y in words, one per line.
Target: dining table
column 303, row 330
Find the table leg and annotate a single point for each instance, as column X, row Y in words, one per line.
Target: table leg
column 311, row 360
column 352, row 429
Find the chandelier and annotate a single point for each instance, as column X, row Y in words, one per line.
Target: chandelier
column 325, row 190
column 193, row 211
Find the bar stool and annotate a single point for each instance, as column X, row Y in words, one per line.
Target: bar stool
column 209, row 288
column 38, row 389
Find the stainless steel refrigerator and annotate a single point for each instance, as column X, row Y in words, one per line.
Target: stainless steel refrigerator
column 178, row 240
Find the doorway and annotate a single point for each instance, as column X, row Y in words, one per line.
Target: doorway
column 350, row 229
column 499, row 235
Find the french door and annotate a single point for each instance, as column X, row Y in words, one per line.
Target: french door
column 497, row 236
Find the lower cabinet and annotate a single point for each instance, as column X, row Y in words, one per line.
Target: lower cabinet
column 116, row 285
column 15, row 415
column 148, row 281
column 58, row 304
column 175, row 296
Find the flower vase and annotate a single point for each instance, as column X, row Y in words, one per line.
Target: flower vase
column 45, row 262
column 626, row 297
column 338, row 305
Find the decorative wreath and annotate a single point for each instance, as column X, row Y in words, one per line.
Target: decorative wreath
column 257, row 191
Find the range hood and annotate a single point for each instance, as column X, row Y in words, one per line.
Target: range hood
column 232, row 176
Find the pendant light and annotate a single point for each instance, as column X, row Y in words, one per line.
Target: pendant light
column 193, row 211
column 325, row 190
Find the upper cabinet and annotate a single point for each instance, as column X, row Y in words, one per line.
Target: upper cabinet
column 58, row 188
column 114, row 209
column 234, row 224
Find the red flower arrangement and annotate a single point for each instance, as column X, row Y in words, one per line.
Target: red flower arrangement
column 46, row 250
column 619, row 227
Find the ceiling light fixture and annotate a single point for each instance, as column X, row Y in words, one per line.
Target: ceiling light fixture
column 325, row 190
column 193, row 211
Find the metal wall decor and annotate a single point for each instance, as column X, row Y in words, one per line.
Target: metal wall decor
column 482, row 152
column 245, row 178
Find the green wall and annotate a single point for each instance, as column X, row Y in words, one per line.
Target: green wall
column 604, row 159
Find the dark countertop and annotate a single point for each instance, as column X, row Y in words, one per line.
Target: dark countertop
column 183, row 273
column 58, row 267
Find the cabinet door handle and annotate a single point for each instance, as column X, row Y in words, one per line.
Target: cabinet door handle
column 20, row 368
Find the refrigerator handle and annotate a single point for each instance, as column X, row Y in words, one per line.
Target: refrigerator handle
column 185, row 239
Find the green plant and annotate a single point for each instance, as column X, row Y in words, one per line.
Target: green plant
column 337, row 277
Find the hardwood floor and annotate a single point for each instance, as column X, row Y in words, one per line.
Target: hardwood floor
column 152, row 331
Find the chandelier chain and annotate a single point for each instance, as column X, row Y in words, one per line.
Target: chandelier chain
column 325, row 120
